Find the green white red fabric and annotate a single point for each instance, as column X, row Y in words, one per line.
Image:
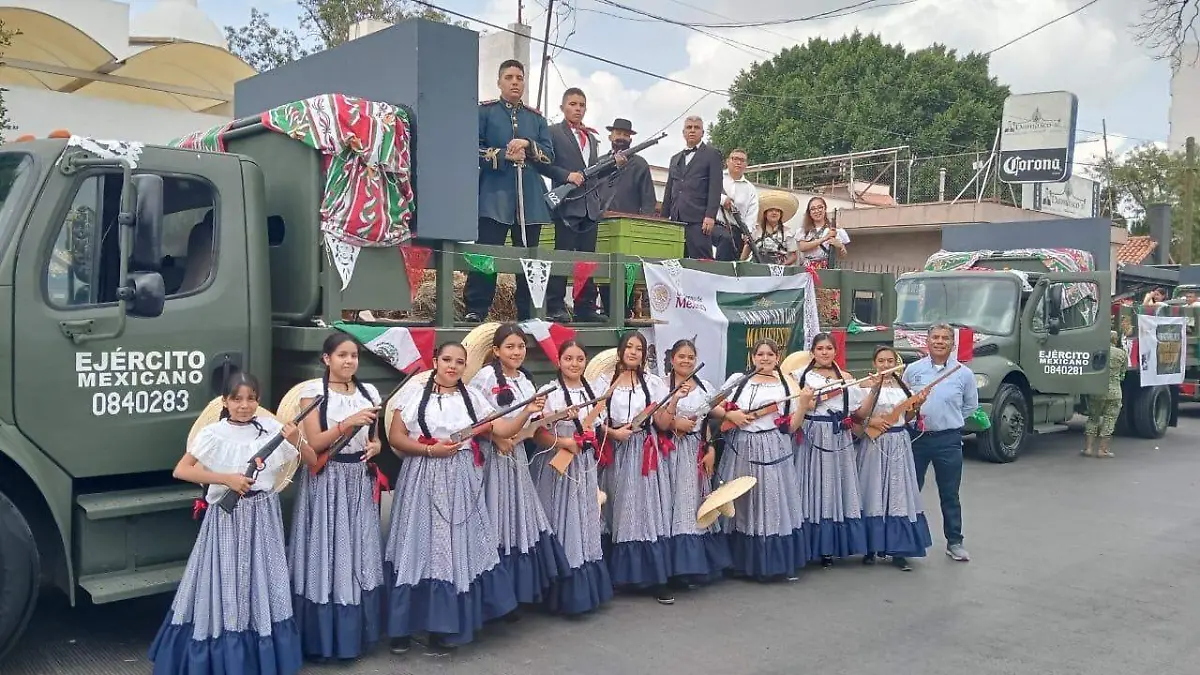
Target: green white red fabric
column 1055, row 260
column 406, row 349
column 549, row 336
column 367, row 164
column 964, row 342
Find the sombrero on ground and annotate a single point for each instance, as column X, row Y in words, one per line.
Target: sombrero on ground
column 720, row 501
column 777, row 199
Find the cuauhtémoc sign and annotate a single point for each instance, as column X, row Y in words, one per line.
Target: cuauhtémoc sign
column 139, row 382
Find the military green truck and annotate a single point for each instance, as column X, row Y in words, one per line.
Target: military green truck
column 1041, row 322
column 133, row 280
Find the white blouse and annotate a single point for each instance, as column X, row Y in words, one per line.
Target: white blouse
column 889, row 398
column 224, row 447
column 696, row 398
column 445, row 414
column 821, row 252
column 485, row 381
column 756, row 394
column 556, row 401
column 829, row 406
column 340, row 406
column 627, row 402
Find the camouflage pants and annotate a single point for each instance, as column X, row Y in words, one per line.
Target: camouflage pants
column 1102, row 415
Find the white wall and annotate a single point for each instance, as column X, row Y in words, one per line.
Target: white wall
column 497, row 47
column 40, row 111
column 1184, row 113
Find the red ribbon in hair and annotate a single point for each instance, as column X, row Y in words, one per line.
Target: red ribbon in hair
column 477, row 450
column 381, row 482
column 426, row 440
column 199, row 506
column 666, row 444
column 649, row 455
column 730, row 406
column 813, row 271
column 783, row 422
column 585, row 439
column 700, row 453
column 496, row 390
column 604, row 454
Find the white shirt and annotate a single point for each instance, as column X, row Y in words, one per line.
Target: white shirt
column 889, row 397
column 814, row 380
column 820, row 252
column 485, row 381
column 224, row 447
column 627, row 402
column 696, row 398
column 555, row 402
column 754, row 395
column 744, row 196
column 445, row 414
column 339, row 406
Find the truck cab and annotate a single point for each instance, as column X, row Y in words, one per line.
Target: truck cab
column 1040, row 339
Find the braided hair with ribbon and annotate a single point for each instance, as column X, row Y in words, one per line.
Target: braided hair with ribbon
column 233, row 384
column 328, row 349
column 822, row 338
column 785, row 418
column 503, row 391
column 581, row 434
column 427, row 393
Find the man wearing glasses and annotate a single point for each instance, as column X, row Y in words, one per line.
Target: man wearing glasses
column 737, row 193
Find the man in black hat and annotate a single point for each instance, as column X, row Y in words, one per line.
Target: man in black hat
column 631, row 189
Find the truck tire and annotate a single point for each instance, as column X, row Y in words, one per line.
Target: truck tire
column 1009, row 435
column 19, row 574
column 1151, row 412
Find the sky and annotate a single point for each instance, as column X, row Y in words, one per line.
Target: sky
column 1091, row 53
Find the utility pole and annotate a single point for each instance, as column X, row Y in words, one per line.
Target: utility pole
column 1189, row 220
column 520, row 10
column 1108, row 190
column 545, row 59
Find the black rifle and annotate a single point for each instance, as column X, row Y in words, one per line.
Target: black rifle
column 342, row 441
column 562, row 193
column 229, row 500
column 740, row 225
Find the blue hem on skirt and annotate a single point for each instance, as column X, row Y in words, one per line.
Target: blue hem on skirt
column 639, row 564
column 587, row 587
column 175, row 652
column 335, row 631
column 898, row 536
column 435, row 606
column 837, row 538
column 766, row 557
column 533, row 571
column 698, row 556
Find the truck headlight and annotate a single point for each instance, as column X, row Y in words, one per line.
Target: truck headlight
column 981, row 381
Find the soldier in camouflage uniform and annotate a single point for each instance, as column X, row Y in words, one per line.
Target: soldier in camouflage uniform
column 1103, row 410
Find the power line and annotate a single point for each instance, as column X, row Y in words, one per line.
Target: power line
column 1045, row 25
column 741, row 46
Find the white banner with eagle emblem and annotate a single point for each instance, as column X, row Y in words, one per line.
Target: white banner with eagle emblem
column 725, row 316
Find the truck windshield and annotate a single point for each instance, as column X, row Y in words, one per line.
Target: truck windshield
column 16, row 169
column 985, row 305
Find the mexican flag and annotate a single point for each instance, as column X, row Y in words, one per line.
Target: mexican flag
column 548, row 336
column 407, row 349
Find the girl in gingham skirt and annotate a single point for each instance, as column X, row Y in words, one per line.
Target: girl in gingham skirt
column 892, row 510
column 766, row 533
column 335, row 554
column 232, row 612
column 826, row 460
column 696, row 555
column 529, row 550
column 442, row 558
column 571, row 499
column 638, row 484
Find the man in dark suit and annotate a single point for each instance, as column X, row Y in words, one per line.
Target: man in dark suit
column 575, row 149
column 631, row 189
column 693, row 195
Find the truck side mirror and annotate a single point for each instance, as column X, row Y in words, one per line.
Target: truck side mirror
column 1054, row 300
column 147, row 254
column 146, row 294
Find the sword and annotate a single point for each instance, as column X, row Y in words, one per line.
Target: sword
column 521, row 204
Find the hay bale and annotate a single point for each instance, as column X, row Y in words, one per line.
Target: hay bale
column 504, row 307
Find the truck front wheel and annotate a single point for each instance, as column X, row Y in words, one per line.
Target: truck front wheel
column 1151, row 412
column 1009, row 434
column 19, row 577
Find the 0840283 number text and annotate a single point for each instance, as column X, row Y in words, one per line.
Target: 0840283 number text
column 140, row 402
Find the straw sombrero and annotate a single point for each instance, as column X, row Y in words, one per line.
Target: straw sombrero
column 777, row 199
column 602, row 364
column 795, row 361
column 478, row 344
column 289, row 407
column 720, row 502
column 212, row 413
column 417, row 380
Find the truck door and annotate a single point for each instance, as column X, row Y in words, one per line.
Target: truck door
column 125, row 404
column 1065, row 335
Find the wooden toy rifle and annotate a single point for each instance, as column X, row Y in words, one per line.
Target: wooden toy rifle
column 229, row 499
column 877, row 426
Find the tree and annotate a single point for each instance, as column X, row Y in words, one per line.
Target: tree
column 857, row 93
column 6, row 36
column 324, row 24
column 263, row 45
column 1143, row 176
column 1167, row 26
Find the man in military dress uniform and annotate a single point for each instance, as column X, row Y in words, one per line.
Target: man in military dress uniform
column 512, row 137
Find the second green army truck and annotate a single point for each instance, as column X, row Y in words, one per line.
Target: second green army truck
column 1040, row 320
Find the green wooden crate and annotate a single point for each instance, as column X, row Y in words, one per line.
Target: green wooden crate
column 647, row 238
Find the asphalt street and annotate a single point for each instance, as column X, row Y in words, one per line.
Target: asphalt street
column 1079, row 565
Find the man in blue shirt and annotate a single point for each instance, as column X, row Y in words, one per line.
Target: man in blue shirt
column 512, row 137
column 944, row 411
